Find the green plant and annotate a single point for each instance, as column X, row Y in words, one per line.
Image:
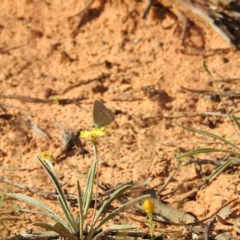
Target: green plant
column 233, row 151
column 148, row 207
column 70, row 226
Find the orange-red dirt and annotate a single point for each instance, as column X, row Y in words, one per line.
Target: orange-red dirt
column 114, row 56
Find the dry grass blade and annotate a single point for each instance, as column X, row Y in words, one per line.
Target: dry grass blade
column 203, row 150
column 4, row 191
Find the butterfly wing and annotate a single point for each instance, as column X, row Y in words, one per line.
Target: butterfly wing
column 102, row 116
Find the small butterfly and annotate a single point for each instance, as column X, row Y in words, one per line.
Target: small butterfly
column 102, row 116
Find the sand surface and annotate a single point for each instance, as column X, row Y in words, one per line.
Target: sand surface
column 138, row 68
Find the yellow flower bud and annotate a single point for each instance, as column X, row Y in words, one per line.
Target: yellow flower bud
column 148, row 206
column 47, row 157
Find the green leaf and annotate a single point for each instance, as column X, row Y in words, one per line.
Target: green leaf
column 62, row 198
column 80, row 206
column 211, row 135
column 87, row 196
column 57, row 227
column 69, row 216
column 39, row 205
column 220, row 169
column 115, row 212
column 46, row 226
column 64, row 231
column 110, row 199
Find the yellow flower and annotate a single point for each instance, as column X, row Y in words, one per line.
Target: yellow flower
column 47, row 157
column 95, row 132
column 148, row 206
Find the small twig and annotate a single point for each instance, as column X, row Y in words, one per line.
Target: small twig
column 44, row 235
column 184, row 20
column 84, row 10
column 204, row 114
column 216, row 114
column 234, row 183
column 81, row 14
column 134, row 234
column 48, row 195
column 169, row 179
column 26, row 99
column 12, row 106
column 126, row 98
column 6, row 51
column 208, row 227
column 228, row 94
column 16, row 168
column 207, row 161
column 227, row 79
column 39, row 100
column 223, row 206
column 81, row 82
column 146, row 12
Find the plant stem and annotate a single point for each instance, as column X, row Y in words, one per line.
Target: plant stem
column 151, row 225
column 95, row 150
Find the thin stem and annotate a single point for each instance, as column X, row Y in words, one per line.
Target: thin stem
column 205, row 69
column 151, row 225
column 95, row 150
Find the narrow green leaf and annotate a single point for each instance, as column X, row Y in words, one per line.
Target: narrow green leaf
column 214, row 136
column 37, row 204
column 87, row 196
column 110, row 199
column 219, row 170
column 58, row 228
column 117, row 211
column 64, row 203
column 80, row 206
column 64, row 231
column 74, row 225
column 46, row 226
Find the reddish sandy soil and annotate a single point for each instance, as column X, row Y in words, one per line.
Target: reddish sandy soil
column 115, row 56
